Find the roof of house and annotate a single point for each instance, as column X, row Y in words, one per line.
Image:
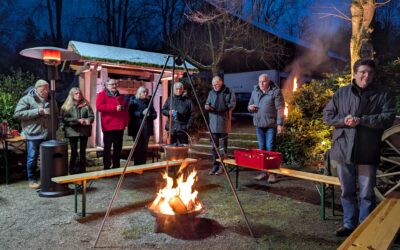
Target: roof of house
column 287, row 37
column 117, row 55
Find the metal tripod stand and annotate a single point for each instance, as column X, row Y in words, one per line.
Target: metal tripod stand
column 179, row 59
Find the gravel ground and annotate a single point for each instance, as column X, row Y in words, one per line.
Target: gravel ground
column 284, row 215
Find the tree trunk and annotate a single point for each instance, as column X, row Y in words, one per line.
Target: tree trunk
column 362, row 13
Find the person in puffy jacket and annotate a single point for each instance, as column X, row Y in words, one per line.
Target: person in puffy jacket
column 33, row 110
column 76, row 118
column 267, row 105
column 114, row 118
column 182, row 113
column 137, row 111
column 360, row 112
column 220, row 102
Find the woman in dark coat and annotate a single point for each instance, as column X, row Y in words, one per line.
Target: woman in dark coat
column 137, row 110
column 77, row 117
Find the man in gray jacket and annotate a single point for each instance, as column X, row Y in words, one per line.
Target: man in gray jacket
column 360, row 112
column 220, row 103
column 33, row 110
column 267, row 104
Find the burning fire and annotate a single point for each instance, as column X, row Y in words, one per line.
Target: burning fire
column 179, row 199
column 295, row 84
column 286, row 110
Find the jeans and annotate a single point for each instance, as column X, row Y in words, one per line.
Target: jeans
column 355, row 212
column 266, row 138
column 221, row 140
column 33, row 147
column 114, row 138
column 80, row 166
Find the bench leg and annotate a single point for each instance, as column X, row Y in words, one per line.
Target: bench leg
column 84, row 198
column 237, row 178
column 76, row 198
column 333, row 200
column 322, row 201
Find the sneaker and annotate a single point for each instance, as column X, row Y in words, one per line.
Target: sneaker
column 34, row 184
column 343, row 232
column 261, row 176
column 271, row 178
column 212, row 171
column 220, row 171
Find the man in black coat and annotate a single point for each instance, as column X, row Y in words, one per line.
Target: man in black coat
column 360, row 112
column 182, row 114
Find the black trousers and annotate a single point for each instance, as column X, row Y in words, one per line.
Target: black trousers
column 221, row 141
column 80, row 165
column 179, row 137
column 140, row 154
column 112, row 138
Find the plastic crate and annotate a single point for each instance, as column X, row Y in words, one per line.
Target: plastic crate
column 258, row 159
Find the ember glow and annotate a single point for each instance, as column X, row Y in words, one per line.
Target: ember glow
column 295, row 84
column 179, row 199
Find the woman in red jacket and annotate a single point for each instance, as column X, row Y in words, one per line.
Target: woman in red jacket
column 114, row 118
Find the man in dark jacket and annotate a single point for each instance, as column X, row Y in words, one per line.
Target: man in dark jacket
column 220, row 103
column 360, row 112
column 182, row 113
column 33, row 110
column 267, row 104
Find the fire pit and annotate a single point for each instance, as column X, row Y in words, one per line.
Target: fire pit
column 176, row 206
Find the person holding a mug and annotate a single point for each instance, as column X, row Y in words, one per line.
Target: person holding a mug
column 114, row 118
column 267, row 105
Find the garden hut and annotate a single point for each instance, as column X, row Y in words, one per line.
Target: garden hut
column 131, row 68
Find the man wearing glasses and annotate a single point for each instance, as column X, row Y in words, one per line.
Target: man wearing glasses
column 114, row 118
column 360, row 112
column 33, row 110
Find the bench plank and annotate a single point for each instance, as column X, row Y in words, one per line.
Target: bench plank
column 379, row 229
column 118, row 171
column 332, row 180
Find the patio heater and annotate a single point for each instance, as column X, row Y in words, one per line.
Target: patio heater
column 53, row 153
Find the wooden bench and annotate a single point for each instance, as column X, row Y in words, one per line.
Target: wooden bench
column 379, row 229
column 81, row 179
column 323, row 180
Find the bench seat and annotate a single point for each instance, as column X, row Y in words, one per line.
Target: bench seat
column 379, row 229
column 81, row 179
column 323, row 180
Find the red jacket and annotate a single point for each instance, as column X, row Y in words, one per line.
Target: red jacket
column 111, row 119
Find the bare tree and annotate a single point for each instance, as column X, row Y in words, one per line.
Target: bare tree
column 214, row 34
column 121, row 19
column 362, row 14
column 54, row 10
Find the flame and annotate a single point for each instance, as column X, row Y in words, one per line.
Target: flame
column 295, row 84
column 177, row 200
column 286, row 110
column 49, row 54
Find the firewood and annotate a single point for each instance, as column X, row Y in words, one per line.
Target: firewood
column 177, row 205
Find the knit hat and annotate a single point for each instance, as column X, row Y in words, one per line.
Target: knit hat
column 40, row 83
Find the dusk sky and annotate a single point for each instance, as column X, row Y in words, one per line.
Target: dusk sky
column 77, row 14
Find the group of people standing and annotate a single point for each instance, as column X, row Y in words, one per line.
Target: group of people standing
column 359, row 112
column 116, row 112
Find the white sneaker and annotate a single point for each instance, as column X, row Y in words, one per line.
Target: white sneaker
column 262, row 176
column 272, row 178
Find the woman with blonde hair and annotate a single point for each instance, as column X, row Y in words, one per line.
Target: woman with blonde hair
column 137, row 110
column 77, row 117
